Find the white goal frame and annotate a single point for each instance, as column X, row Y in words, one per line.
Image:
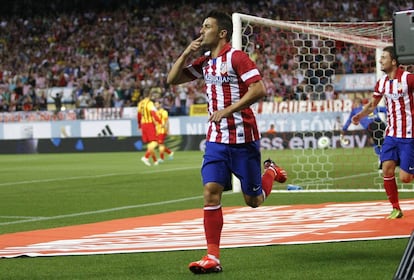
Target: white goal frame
column 309, row 27
column 377, row 37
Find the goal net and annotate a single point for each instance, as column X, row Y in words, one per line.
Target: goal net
column 311, row 55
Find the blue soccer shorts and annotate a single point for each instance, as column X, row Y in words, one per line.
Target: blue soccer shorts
column 243, row 160
column 400, row 150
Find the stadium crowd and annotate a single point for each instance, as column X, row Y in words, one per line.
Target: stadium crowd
column 112, row 52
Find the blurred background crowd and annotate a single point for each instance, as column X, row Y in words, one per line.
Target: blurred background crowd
column 111, row 52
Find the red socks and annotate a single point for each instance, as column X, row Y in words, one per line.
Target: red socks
column 168, row 151
column 391, row 189
column 213, row 224
column 213, row 216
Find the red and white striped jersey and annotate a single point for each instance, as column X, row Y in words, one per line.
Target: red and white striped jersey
column 399, row 100
column 227, row 79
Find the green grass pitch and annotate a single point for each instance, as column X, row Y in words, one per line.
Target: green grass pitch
column 44, row 191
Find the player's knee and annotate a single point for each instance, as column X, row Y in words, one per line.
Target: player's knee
column 212, row 194
column 406, row 178
column 253, row 202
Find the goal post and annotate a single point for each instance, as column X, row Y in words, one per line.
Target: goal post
column 376, row 35
column 313, row 47
column 369, row 34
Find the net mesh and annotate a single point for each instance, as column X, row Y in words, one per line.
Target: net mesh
column 299, row 61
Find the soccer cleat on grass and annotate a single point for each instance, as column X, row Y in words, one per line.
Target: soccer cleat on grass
column 206, row 265
column 395, row 214
column 281, row 174
column 171, row 156
column 146, row 161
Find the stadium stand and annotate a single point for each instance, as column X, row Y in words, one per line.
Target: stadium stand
column 115, row 50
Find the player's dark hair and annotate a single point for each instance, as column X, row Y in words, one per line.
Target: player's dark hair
column 391, row 51
column 224, row 22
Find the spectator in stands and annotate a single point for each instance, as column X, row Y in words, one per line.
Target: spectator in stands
column 359, row 67
column 329, row 92
column 27, row 103
column 18, row 96
column 168, row 103
column 99, row 100
column 42, row 101
column 84, row 100
column 108, row 96
column 182, row 97
column 4, row 99
column 58, row 101
column 33, row 96
column 271, row 130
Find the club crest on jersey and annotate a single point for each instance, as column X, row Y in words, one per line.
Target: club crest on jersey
column 399, row 87
column 223, row 68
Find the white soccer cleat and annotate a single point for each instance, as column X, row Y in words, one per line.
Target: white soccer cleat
column 145, row 161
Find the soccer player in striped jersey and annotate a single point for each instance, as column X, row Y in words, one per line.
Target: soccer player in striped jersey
column 397, row 87
column 147, row 118
column 162, row 131
column 232, row 83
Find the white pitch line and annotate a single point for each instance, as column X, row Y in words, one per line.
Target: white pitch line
column 93, row 176
column 36, row 219
column 338, row 190
column 19, row 217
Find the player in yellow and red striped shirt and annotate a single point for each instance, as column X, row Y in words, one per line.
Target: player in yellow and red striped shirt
column 162, row 131
column 147, row 118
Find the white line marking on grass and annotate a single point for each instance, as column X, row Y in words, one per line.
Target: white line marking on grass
column 315, row 182
column 345, row 177
column 36, row 219
column 95, row 176
column 19, row 217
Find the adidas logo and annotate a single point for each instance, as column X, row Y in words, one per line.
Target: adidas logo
column 105, row 132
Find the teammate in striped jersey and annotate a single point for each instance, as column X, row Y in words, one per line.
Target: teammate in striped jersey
column 232, row 84
column 397, row 87
column 147, row 118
